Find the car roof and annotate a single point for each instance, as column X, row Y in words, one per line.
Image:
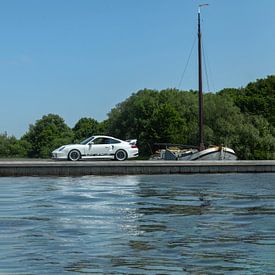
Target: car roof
column 107, row 137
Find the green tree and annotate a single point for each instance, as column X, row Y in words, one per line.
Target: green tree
column 11, row 147
column 84, row 128
column 249, row 135
column 254, row 139
column 186, row 105
column 172, row 116
column 221, row 118
column 243, row 119
column 168, row 125
column 47, row 134
column 102, row 128
column 257, row 98
column 150, row 117
column 131, row 118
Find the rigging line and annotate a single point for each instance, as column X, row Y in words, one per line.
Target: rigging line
column 211, row 74
column 190, row 54
column 205, row 56
column 205, row 68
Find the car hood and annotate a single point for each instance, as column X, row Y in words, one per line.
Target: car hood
column 69, row 146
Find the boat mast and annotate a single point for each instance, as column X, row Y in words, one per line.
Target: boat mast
column 201, row 113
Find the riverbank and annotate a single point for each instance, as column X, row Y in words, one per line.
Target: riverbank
column 81, row 168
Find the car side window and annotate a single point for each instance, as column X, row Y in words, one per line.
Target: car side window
column 105, row 141
column 111, row 141
column 99, row 141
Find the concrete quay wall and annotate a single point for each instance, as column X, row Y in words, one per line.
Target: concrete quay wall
column 81, row 168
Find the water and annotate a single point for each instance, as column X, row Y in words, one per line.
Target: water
column 176, row 224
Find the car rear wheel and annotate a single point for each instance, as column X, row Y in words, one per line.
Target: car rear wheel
column 121, row 155
column 74, row 155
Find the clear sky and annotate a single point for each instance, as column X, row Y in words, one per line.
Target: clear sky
column 79, row 58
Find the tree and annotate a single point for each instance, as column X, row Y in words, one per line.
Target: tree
column 84, row 128
column 130, row 118
column 103, row 127
column 150, row 117
column 249, row 135
column 11, row 147
column 168, row 125
column 257, row 98
column 243, row 119
column 47, row 134
column 172, row 116
column 254, row 139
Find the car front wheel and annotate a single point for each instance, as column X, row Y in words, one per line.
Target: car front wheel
column 121, row 155
column 74, row 155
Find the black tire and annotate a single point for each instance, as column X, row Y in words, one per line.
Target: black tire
column 121, row 155
column 74, row 155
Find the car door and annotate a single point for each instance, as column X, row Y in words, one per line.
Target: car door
column 100, row 147
column 114, row 145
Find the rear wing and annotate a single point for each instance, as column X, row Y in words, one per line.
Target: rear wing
column 132, row 141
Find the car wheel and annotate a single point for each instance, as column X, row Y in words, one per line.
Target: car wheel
column 121, row 155
column 74, row 155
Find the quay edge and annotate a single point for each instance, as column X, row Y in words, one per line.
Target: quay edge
column 65, row 168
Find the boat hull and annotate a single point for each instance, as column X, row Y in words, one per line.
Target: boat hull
column 212, row 153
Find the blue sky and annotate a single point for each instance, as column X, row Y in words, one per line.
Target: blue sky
column 79, row 58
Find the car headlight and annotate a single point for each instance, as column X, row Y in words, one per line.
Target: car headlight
column 61, row 148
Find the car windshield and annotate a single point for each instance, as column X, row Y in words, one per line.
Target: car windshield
column 85, row 141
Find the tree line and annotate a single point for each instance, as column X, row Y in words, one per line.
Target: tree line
column 243, row 119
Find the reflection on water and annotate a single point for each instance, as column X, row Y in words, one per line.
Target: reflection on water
column 176, row 224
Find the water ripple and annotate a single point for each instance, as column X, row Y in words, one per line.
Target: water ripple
column 176, row 224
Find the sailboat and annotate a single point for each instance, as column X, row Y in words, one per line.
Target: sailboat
column 200, row 153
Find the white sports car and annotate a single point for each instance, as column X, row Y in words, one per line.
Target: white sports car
column 95, row 147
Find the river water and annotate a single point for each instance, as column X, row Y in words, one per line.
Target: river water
column 175, row 224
